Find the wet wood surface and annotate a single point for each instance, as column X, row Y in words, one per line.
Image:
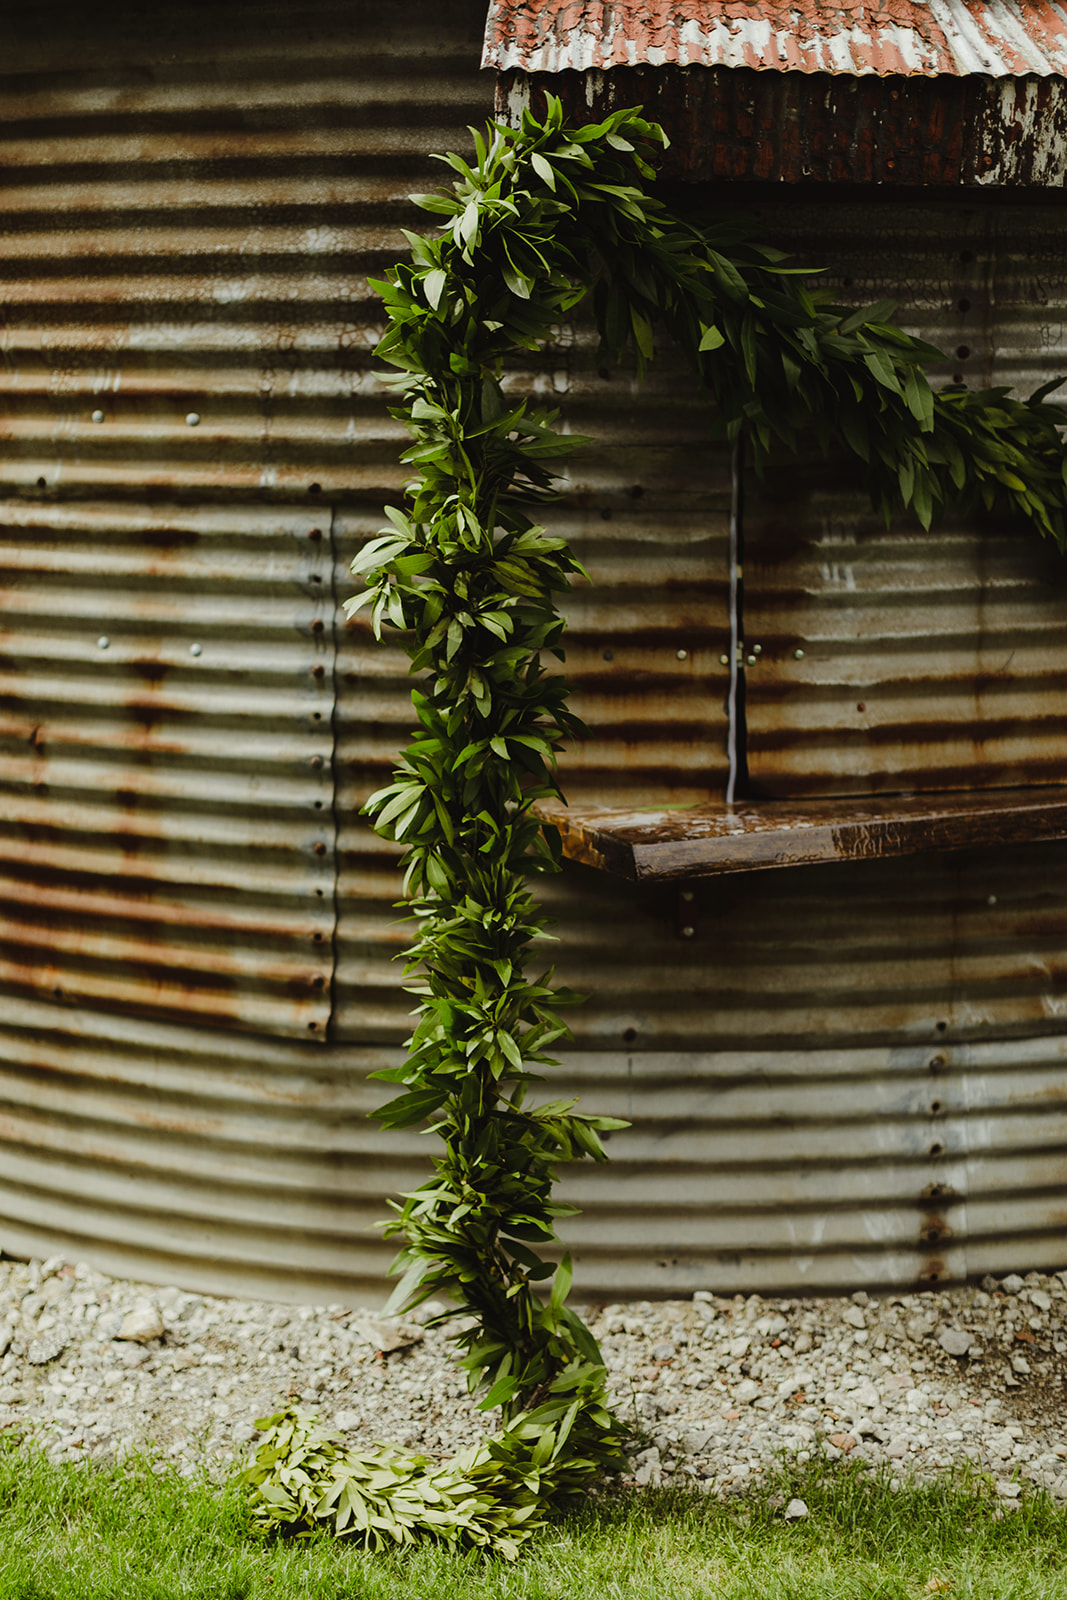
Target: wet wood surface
column 752, row 836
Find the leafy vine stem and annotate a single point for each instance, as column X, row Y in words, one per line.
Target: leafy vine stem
column 548, row 216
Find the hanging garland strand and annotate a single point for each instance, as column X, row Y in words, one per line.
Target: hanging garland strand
column 549, row 215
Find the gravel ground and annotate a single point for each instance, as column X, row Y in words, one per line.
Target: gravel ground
column 717, row 1388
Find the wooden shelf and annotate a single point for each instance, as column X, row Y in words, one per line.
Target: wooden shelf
column 754, row 836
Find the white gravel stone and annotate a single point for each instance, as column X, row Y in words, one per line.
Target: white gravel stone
column 795, row 1511
column 723, row 1384
column 143, row 1325
column 40, row 1352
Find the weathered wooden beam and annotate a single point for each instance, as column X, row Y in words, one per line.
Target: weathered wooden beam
column 753, row 836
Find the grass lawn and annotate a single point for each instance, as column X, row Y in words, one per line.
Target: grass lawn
column 128, row 1533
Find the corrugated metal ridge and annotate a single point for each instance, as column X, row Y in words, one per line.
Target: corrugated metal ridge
column 886, row 38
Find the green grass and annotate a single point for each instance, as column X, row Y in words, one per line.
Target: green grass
column 127, row 1533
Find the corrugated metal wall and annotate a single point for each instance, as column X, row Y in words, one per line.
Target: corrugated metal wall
column 845, row 1075
column 821, row 128
column 930, row 661
column 191, row 203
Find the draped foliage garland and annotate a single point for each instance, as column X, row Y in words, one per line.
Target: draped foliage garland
column 548, row 216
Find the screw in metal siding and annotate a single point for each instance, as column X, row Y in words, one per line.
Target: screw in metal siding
column 681, row 655
column 757, row 649
column 318, row 672
column 103, row 642
column 750, row 661
column 798, row 655
column 319, row 848
column 98, row 416
column 688, row 933
column 724, row 661
column 991, row 900
column 687, row 894
column 196, row 649
column 316, row 762
column 193, row 419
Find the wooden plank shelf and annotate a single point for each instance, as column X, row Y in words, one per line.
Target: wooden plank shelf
column 756, row 835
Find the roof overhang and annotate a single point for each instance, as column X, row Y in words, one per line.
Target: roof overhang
column 944, row 93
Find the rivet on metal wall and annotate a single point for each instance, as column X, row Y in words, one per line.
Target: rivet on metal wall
column 687, row 932
column 318, row 672
column 98, row 416
column 193, row 419
column 757, row 649
column 103, row 642
column 750, row 660
column 798, row 655
column 724, row 661
column 991, row 900
column 681, row 655
column 196, row 649
column 319, row 848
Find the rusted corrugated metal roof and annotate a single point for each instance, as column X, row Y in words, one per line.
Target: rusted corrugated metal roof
column 996, row 38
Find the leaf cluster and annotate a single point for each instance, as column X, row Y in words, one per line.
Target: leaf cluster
column 491, row 1496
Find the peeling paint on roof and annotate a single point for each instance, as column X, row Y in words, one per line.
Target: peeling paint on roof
column 908, row 38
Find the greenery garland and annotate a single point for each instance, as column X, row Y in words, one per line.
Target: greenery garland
column 548, row 216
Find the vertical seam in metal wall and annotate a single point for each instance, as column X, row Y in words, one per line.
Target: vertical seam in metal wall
column 735, row 621
column 335, row 921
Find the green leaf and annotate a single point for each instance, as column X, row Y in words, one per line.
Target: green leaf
column 543, row 169
column 918, row 394
column 561, row 1284
column 728, row 277
column 433, row 286
column 642, row 333
column 880, row 366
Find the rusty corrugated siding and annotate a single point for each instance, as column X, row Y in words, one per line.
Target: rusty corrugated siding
column 846, row 1074
column 166, row 822
column 737, row 125
column 191, row 205
column 930, row 661
column 997, row 38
